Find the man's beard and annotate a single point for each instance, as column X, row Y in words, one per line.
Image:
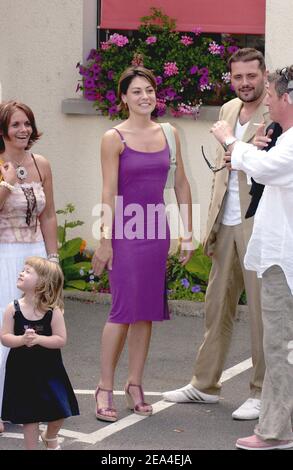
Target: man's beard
column 256, row 95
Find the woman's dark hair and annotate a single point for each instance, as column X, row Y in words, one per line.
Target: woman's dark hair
column 126, row 78
column 6, row 111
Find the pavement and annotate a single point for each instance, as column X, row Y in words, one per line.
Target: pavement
column 173, row 427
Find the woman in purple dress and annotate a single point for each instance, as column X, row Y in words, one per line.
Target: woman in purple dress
column 135, row 236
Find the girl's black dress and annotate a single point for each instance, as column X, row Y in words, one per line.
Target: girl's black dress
column 36, row 386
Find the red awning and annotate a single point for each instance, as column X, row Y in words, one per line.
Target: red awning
column 213, row 16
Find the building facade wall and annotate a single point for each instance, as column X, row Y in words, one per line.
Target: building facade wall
column 40, row 43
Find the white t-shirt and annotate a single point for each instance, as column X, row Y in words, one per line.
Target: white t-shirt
column 232, row 211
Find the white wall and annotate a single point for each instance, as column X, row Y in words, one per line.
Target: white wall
column 279, row 33
column 40, row 43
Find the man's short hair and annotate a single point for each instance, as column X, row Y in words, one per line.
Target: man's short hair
column 283, row 80
column 247, row 54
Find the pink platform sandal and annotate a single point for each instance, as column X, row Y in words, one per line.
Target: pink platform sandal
column 140, row 408
column 101, row 413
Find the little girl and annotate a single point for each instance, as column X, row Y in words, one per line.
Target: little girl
column 37, row 388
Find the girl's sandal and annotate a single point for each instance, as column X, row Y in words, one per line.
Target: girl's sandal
column 102, row 413
column 46, row 440
column 140, row 408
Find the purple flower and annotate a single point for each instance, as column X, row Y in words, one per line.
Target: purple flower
column 90, row 95
column 113, row 110
column 110, row 74
column 195, row 289
column 83, row 71
column 159, row 80
column 96, row 68
column 170, row 93
column 232, row 49
column 222, row 50
column 89, row 83
column 203, row 71
column 110, row 96
column 204, row 80
column 185, row 283
column 151, row 40
column 93, row 55
column 193, row 70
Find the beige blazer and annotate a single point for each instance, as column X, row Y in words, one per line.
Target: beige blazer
column 230, row 112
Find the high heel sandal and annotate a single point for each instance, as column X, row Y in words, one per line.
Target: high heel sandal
column 1, row 427
column 101, row 413
column 138, row 408
column 46, row 440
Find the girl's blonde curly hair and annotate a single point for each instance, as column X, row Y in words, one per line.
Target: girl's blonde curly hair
column 49, row 288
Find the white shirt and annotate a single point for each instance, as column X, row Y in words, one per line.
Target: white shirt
column 232, row 210
column 271, row 242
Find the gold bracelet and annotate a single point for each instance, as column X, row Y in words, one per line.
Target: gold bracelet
column 106, row 232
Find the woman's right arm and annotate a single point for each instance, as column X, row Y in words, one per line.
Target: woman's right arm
column 111, row 147
column 9, row 176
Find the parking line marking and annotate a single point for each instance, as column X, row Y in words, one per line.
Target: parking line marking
column 110, row 429
column 236, row 370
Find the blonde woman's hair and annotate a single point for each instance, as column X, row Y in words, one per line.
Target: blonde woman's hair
column 49, row 289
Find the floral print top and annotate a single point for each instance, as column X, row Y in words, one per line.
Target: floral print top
column 19, row 216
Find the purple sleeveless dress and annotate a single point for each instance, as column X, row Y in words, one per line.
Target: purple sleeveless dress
column 141, row 238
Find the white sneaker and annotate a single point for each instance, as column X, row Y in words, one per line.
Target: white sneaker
column 249, row 410
column 189, row 394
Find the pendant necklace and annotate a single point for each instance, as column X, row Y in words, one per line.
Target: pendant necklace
column 21, row 171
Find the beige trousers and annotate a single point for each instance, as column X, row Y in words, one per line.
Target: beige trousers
column 227, row 280
column 277, row 394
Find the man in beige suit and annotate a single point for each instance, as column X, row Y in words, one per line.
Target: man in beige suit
column 227, row 236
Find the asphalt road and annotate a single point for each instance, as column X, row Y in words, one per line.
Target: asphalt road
column 170, row 363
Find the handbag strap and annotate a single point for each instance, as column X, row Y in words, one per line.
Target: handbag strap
column 170, row 137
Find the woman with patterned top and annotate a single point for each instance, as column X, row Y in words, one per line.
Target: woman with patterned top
column 28, row 225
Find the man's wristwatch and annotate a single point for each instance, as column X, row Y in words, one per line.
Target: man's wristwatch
column 228, row 141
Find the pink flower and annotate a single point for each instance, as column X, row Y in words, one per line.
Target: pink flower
column 118, row 40
column 186, row 40
column 170, row 68
column 197, row 31
column 151, row 40
column 105, row 46
column 161, row 107
column 214, row 48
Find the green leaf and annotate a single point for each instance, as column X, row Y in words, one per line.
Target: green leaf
column 60, row 233
column 72, row 271
column 80, row 284
column 74, row 224
column 70, row 248
column 200, row 265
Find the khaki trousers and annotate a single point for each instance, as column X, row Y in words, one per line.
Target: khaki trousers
column 277, row 393
column 227, row 280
